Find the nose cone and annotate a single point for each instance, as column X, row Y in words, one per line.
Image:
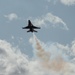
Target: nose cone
column 28, row 20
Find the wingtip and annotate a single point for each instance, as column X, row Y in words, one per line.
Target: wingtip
column 22, row 27
column 39, row 27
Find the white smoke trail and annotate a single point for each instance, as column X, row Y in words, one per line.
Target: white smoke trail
column 58, row 64
column 13, row 62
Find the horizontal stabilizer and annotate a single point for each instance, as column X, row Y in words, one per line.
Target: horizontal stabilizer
column 34, row 30
column 28, row 31
column 26, row 27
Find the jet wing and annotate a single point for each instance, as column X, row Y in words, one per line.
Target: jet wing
column 35, row 27
column 27, row 27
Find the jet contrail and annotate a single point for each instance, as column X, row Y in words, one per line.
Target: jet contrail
column 45, row 56
column 58, row 64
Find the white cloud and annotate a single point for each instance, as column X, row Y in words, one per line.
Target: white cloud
column 73, row 47
column 11, row 16
column 51, row 59
column 68, row 2
column 65, row 2
column 55, row 57
column 12, row 61
column 12, row 37
column 54, row 20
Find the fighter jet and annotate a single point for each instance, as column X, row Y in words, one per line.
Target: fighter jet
column 31, row 27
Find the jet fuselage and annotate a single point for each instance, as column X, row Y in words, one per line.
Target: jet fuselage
column 31, row 27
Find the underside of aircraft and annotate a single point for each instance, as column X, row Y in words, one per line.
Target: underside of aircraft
column 31, row 27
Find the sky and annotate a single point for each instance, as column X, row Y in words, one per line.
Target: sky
column 51, row 51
